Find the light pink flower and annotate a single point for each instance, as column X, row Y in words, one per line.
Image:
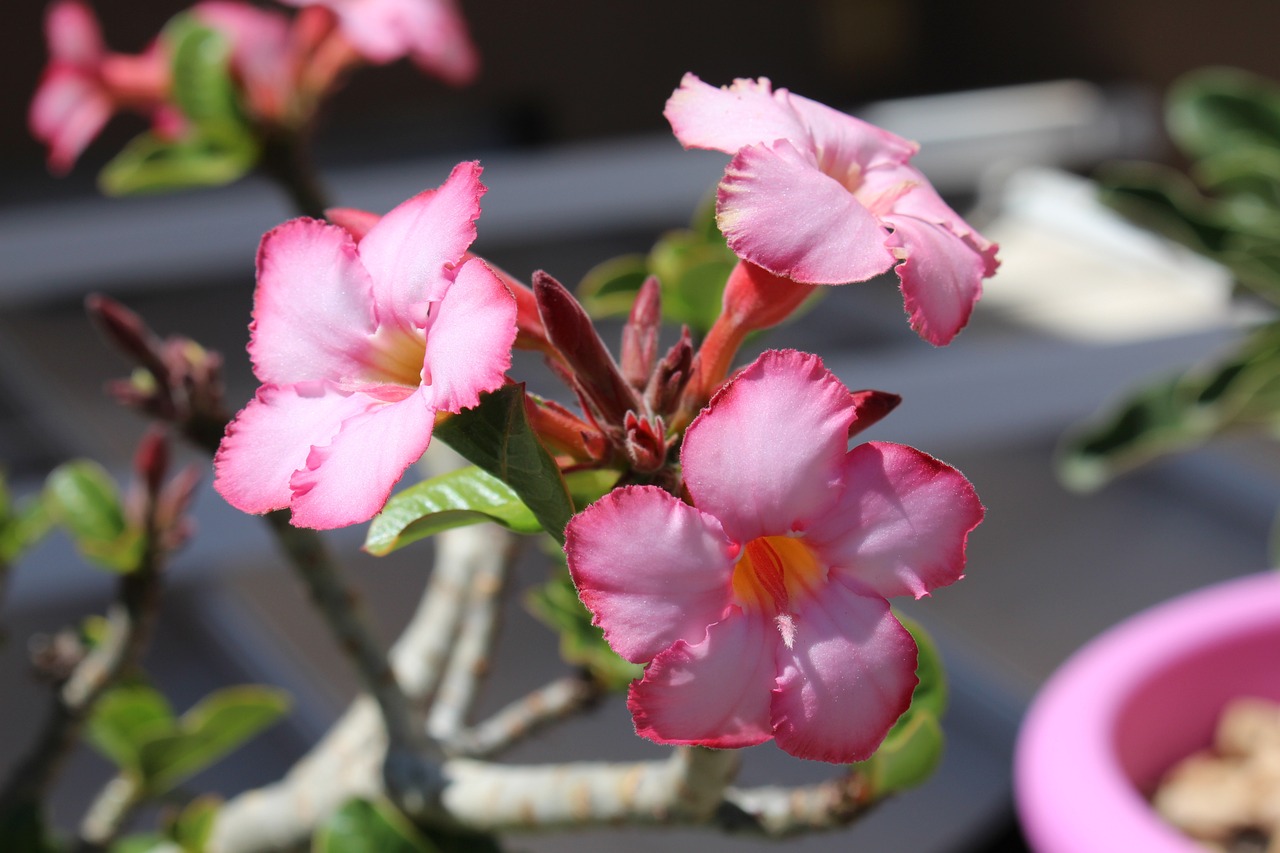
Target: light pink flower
column 761, row 608
column 358, row 346
column 432, row 33
column 824, row 198
column 84, row 84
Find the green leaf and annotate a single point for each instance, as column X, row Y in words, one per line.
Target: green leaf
column 590, row 484
column 126, row 718
column 208, row 156
column 21, row 528
column 557, row 605
column 1213, row 109
column 1165, row 201
column 1178, row 412
column 361, row 826
column 202, row 83
column 609, row 288
column 913, row 748
column 194, row 826
column 496, row 436
column 81, row 498
column 458, row 498
column 141, row 843
column 693, row 270
column 215, row 726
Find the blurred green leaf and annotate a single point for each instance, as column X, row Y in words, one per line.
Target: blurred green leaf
column 913, row 748
column 22, row 524
column 590, row 484
column 82, row 499
column 141, row 843
column 557, row 605
column 455, row 499
column 1213, row 109
column 692, row 266
column 124, row 719
column 496, row 436
column 361, row 826
column 609, row 288
column 1179, row 412
column 1165, row 201
column 213, row 727
column 194, row 824
column 202, row 82
column 206, row 157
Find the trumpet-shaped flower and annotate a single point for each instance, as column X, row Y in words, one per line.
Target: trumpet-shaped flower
column 761, row 608
column 84, row 84
column 432, row 33
column 820, row 197
column 358, row 346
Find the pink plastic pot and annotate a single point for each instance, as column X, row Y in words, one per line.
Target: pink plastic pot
column 1131, row 703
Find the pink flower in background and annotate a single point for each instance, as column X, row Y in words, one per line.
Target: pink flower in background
column 761, row 608
column 358, row 346
column 820, row 197
column 84, row 84
column 432, row 33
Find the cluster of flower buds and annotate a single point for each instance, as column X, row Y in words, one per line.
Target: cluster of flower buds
column 175, row 380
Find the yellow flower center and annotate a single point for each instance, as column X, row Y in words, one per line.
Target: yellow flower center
column 773, row 572
column 395, row 357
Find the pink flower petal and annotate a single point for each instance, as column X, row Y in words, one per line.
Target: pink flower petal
column 715, row 692
column 271, row 438
column 313, row 309
column 73, row 34
column 357, row 222
column 69, row 109
column 765, row 456
column 900, row 524
column 727, row 119
column 847, row 677
column 777, row 210
column 651, row 569
column 923, row 202
column 349, row 480
column 848, row 145
column 941, row 277
column 470, row 337
column 410, row 252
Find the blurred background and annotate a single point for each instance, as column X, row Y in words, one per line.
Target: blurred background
column 1012, row 102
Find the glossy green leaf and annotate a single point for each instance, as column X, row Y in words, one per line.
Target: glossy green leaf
column 82, row 499
column 215, row 726
column 557, row 605
column 362, row 826
column 124, row 719
column 496, row 437
column 458, row 498
column 1165, row 201
column 913, row 748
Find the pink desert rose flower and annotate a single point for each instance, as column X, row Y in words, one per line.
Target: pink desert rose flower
column 84, row 84
column 820, row 197
column 432, row 33
column 358, row 346
column 761, row 608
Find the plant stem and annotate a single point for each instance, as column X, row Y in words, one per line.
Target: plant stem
column 286, row 159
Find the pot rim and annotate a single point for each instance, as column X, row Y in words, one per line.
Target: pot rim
column 1072, row 793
